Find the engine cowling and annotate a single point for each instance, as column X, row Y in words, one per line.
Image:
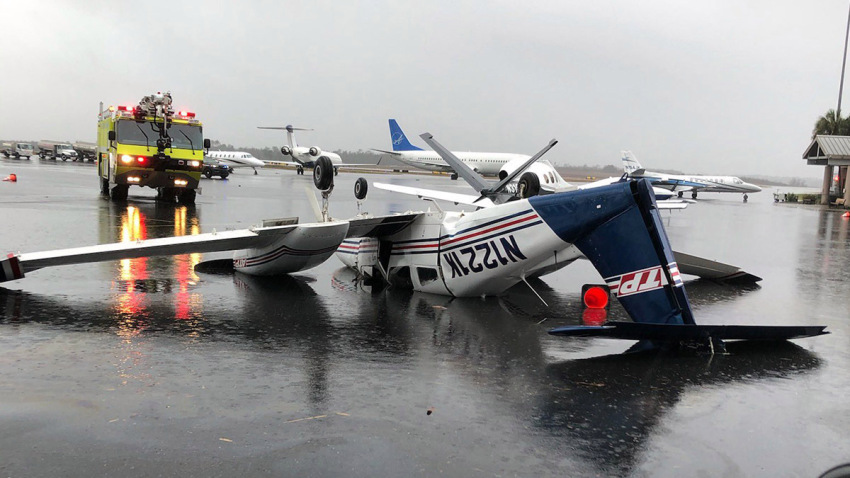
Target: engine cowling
column 285, row 150
column 315, row 151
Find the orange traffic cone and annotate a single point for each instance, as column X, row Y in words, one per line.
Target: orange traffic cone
column 12, row 177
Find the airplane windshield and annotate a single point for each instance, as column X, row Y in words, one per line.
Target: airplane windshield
column 182, row 135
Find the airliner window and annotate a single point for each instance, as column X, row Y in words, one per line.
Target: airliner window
column 183, row 136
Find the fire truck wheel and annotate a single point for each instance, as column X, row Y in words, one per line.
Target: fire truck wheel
column 119, row 192
column 104, row 186
column 187, row 196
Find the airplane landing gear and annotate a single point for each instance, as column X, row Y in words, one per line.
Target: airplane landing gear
column 694, row 195
column 680, row 194
column 299, row 170
column 454, row 176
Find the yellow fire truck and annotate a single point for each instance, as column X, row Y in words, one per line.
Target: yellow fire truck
column 150, row 145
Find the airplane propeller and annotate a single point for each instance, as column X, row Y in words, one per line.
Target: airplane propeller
column 495, row 193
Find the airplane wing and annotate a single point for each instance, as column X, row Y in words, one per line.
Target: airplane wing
column 456, row 198
column 379, row 226
column 394, row 153
column 199, row 243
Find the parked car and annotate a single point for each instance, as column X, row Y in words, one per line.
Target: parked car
column 214, row 167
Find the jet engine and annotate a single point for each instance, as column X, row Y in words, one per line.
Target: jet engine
column 315, row 151
column 285, row 150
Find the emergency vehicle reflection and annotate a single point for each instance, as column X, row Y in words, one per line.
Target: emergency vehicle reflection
column 136, row 278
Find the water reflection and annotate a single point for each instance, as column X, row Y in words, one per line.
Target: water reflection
column 609, row 407
column 135, row 278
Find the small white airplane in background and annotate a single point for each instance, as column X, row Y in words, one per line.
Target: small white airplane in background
column 237, row 159
column 680, row 183
column 302, row 156
column 482, row 163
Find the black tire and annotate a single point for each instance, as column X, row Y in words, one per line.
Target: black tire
column 336, row 171
column 299, row 170
column 166, row 195
column 694, row 195
column 529, row 185
column 323, row 173
column 119, row 192
column 104, row 186
column 225, row 175
column 187, row 196
column 361, row 187
column 454, row 176
column 208, row 173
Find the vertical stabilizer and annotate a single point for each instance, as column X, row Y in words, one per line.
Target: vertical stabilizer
column 630, row 163
column 399, row 140
column 618, row 228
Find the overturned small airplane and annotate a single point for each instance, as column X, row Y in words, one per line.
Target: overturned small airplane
column 507, row 240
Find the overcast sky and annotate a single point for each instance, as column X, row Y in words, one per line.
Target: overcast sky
column 721, row 87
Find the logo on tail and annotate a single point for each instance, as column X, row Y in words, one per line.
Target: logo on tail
column 399, row 140
column 630, row 163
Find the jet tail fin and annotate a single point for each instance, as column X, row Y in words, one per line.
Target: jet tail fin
column 398, row 138
column 630, row 163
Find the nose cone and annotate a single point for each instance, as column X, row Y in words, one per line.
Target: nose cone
column 753, row 188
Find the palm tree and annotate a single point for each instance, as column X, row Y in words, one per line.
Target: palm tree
column 827, row 124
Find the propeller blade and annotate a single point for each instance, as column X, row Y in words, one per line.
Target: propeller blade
column 462, row 169
column 501, row 185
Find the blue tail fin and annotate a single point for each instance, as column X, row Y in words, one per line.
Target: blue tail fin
column 399, row 140
column 619, row 229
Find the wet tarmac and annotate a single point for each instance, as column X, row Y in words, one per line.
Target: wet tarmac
column 146, row 368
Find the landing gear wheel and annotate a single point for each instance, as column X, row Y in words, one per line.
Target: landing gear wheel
column 694, row 195
column 299, row 170
column 187, row 196
column 361, row 187
column 119, row 192
column 680, row 194
column 336, row 171
column 529, row 185
column 323, row 173
column 454, row 176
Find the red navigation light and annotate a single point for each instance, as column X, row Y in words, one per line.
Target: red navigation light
column 595, row 296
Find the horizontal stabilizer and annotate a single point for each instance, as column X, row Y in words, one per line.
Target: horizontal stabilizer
column 676, row 333
column 713, row 270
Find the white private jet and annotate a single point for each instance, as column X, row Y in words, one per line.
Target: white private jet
column 483, row 163
column 237, row 159
column 680, row 183
column 302, row 156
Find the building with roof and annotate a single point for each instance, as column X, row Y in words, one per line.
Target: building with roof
column 831, row 152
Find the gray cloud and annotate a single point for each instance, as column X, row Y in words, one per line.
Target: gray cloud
column 722, row 88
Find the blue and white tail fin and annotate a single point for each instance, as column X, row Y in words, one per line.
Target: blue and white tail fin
column 630, row 163
column 399, row 140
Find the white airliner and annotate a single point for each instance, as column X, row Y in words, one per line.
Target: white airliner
column 482, row 163
column 302, row 156
column 237, row 159
column 682, row 182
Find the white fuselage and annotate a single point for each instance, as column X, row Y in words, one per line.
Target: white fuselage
column 237, row 159
column 301, row 155
column 483, row 163
column 709, row 184
column 480, row 253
